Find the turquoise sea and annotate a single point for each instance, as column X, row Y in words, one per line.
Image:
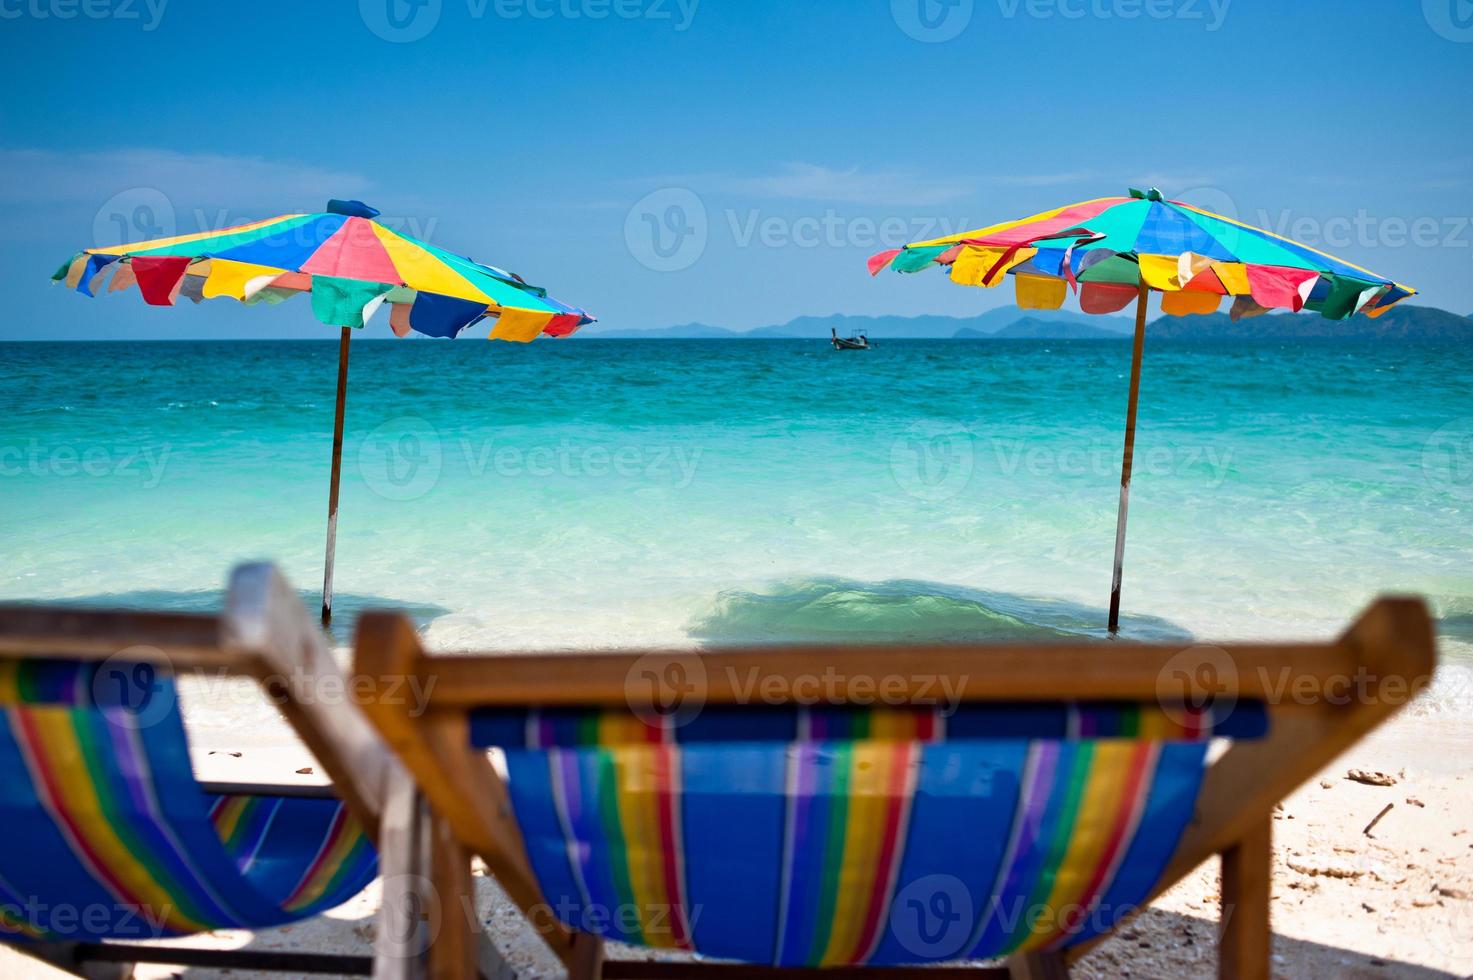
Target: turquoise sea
column 584, row 492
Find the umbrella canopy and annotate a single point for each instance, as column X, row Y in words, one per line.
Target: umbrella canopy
column 349, row 264
column 1114, row 251
column 1107, row 248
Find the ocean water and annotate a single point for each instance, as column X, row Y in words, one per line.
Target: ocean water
column 585, row 492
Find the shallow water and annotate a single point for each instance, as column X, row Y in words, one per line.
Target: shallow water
column 685, row 492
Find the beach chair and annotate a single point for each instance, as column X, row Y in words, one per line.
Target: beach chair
column 106, row 839
column 865, row 811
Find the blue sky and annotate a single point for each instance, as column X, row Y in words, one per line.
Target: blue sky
column 727, row 161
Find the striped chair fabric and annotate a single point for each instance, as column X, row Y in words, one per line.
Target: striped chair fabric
column 845, row 836
column 108, row 836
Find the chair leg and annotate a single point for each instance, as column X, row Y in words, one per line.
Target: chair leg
column 1038, row 966
column 403, row 855
column 426, row 879
column 587, row 961
column 1245, row 936
column 455, row 948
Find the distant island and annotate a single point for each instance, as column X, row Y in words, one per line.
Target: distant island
column 892, row 327
column 1033, row 328
column 1401, row 323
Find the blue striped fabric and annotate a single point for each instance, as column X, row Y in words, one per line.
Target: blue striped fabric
column 835, row 837
column 108, row 836
column 955, row 887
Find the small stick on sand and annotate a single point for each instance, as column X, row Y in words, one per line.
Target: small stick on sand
column 1377, row 819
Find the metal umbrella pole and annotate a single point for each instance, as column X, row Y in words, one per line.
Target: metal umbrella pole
column 337, row 469
column 1125, row 465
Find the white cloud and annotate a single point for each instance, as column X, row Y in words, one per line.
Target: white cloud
column 37, row 176
column 1173, row 184
column 802, row 181
column 1045, row 180
column 89, row 197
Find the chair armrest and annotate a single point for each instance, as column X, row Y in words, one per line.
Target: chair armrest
column 63, row 633
column 267, row 626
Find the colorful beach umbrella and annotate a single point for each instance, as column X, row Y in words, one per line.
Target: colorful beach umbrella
column 1114, row 251
column 350, row 265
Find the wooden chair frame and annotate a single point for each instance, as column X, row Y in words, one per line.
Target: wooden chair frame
column 1391, row 646
column 265, row 635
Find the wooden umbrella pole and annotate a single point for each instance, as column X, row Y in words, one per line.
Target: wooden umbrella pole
column 337, row 469
column 1125, row 465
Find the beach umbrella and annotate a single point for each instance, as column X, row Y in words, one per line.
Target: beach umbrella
column 1113, row 251
column 350, row 265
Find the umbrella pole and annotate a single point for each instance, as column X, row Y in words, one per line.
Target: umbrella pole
column 337, row 469
column 1125, row 465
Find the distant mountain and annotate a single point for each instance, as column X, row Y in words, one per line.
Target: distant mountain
column 886, row 327
column 922, row 327
column 1032, row 328
column 1400, row 323
column 686, row 331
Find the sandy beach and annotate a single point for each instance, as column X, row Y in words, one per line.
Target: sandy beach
column 1396, row 902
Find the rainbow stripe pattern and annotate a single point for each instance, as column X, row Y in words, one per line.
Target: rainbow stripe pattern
column 349, row 264
column 307, row 853
column 833, row 837
column 1106, row 249
column 108, row 836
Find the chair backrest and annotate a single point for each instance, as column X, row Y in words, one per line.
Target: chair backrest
column 838, row 836
column 700, row 800
column 108, row 835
